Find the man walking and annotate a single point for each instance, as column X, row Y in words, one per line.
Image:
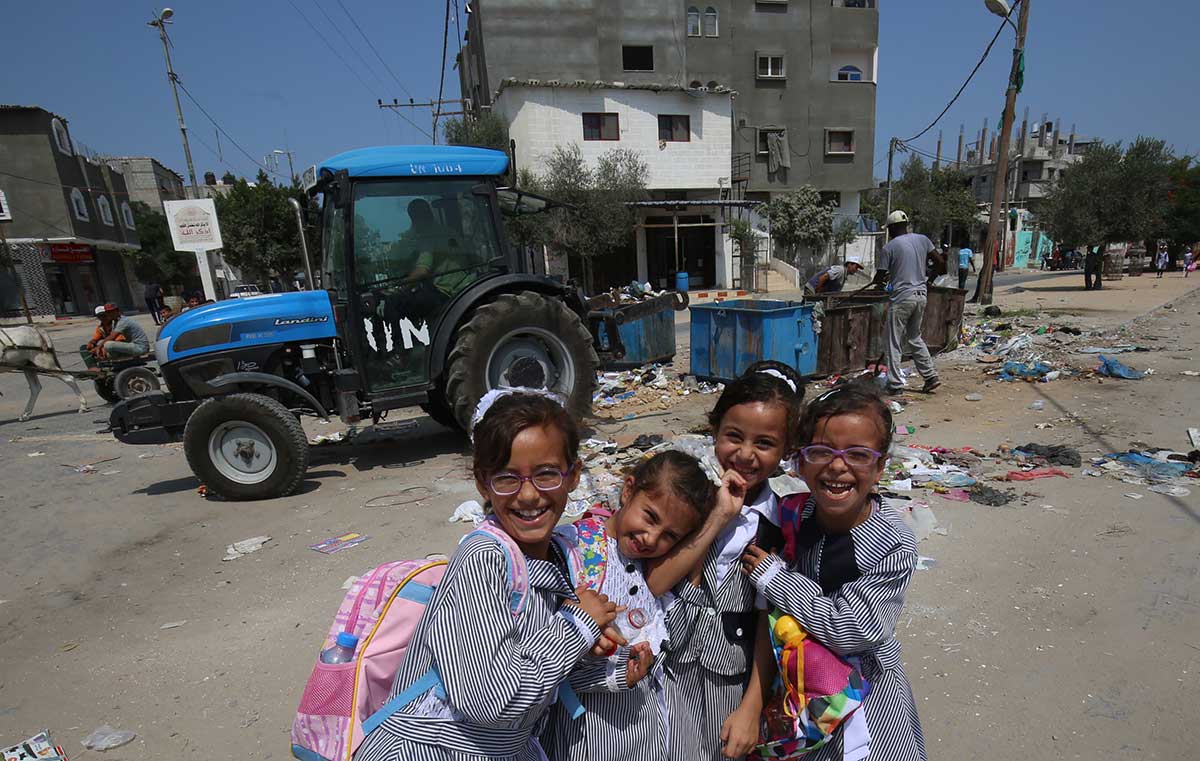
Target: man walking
column 966, row 259
column 902, row 264
column 1093, row 265
column 154, row 301
column 1161, row 261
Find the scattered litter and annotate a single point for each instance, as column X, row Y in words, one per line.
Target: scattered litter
column 895, row 406
column 1108, row 349
column 1053, row 509
column 1030, row 475
column 470, row 511
column 1112, row 368
column 245, row 547
column 1194, row 436
column 110, row 472
column 925, row 563
column 36, row 454
column 106, row 738
column 67, row 647
column 406, row 496
column 1116, row 529
column 1192, row 373
column 39, row 747
column 1013, row 371
column 987, row 495
column 1053, row 454
column 1133, row 495
column 1170, row 491
column 338, row 543
column 957, row 495
column 974, row 397
column 328, row 438
column 349, row 582
column 173, row 624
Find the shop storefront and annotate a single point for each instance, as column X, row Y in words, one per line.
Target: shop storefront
column 80, row 278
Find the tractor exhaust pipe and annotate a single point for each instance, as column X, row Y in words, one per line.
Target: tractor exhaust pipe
column 308, row 274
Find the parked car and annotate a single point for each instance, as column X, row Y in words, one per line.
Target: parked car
column 245, row 292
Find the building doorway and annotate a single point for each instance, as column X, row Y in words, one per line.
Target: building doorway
column 681, row 242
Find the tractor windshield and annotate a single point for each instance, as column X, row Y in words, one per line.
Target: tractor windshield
column 417, row 243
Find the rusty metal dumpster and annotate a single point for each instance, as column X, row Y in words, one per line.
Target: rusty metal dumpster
column 729, row 336
column 645, row 329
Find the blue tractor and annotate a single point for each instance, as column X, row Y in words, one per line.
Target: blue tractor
column 423, row 301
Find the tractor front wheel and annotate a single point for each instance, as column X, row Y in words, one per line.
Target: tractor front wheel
column 246, row 447
column 525, row 339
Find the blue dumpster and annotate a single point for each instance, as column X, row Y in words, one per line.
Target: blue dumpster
column 681, row 281
column 647, row 340
column 729, row 336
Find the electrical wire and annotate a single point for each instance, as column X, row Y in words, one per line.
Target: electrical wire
column 69, row 187
column 222, row 130
column 329, row 45
column 349, row 44
column 373, row 49
column 971, row 76
column 51, row 225
column 437, row 109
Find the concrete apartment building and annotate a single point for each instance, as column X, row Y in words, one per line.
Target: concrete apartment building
column 794, row 82
column 71, row 220
column 149, row 181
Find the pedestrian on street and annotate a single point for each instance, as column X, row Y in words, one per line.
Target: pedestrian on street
column 1187, row 261
column 1093, row 264
column 966, row 259
column 1161, row 261
column 154, row 301
column 902, row 265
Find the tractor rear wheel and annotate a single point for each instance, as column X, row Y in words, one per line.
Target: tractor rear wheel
column 246, row 446
column 441, row 412
column 523, row 339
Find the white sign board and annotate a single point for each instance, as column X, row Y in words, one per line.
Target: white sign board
column 5, row 212
column 193, row 224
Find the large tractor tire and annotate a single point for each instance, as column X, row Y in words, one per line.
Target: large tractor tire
column 135, row 380
column 524, row 339
column 439, row 409
column 246, row 447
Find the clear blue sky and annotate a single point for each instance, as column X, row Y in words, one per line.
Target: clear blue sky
column 1116, row 69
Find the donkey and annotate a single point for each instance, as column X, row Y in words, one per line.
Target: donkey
column 28, row 349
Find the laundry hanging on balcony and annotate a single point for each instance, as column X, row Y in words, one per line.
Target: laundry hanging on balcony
column 779, row 155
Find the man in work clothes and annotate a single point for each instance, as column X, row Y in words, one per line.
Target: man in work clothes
column 902, row 264
column 966, row 259
column 1093, row 265
column 831, row 279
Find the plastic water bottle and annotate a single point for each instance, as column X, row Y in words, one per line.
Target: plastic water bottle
column 342, row 650
column 634, row 620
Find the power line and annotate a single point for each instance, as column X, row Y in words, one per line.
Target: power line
column 329, row 45
column 51, row 225
column 971, row 76
column 349, row 44
column 373, row 49
column 457, row 26
column 222, row 130
column 69, row 187
column 442, row 79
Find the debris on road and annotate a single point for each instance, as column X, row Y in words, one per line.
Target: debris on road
column 1052, row 454
column 39, row 747
column 173, row 624
column 36, row 454
column 987, row 495
column 338, row 543
column 105, row 737
column 1170, row 491
column 245, row 547
column 1112, row 368
column 469, row 511
column 1030, row 475
column 406, row 496
column 974, row 397
column 328, row 438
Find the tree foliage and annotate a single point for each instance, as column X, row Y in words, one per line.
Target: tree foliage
column 1183, row 212
column 601, row 220
column 488, row 130
column 801, row 219
column 1117, row 195
column 933, row 198
column 258, row 227
column 158, row 261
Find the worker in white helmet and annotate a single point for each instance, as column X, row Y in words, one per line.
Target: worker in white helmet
column 902, row 265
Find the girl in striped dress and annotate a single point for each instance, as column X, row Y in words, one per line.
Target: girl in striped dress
column 663, row 501
column 499, row 673
column 855, row 558
column 715, row 689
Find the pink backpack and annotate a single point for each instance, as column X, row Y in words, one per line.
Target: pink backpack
column 343, row 702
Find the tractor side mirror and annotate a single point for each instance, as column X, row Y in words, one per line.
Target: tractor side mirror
column 339, row 187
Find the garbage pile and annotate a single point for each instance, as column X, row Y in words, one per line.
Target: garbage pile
column 653, row 387
column 1162, row 470
column 633, row 293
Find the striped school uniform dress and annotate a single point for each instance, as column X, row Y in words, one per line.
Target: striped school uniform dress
column 621, row 723
column 848, row 590
column 500, row 673
column 712, row 637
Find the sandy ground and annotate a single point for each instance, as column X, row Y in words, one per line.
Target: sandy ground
column 1064, row 628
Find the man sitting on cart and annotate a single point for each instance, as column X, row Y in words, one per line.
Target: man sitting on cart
column 116, row 337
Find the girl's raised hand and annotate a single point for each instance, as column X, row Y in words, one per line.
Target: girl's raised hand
column 597, row 606
column 731, row 496
column 752, row 557
column 641, row 657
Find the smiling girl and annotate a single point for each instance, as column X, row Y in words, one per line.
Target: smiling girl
column 854, row 559
column 498, row 673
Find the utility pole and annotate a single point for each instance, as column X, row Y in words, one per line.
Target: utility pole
column 272, row 157
column 435, row 105
column 160, row 23
column 891, row 155
column 983, row 287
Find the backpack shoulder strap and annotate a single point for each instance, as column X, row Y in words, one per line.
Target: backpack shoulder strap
column 593, row 551
column 518, row 569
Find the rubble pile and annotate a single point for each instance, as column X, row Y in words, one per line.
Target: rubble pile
column 652, row 387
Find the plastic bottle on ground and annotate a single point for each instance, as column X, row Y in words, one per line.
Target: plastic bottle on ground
column 342, row 650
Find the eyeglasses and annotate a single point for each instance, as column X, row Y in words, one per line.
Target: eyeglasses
column 859, row 458
column 507, row 483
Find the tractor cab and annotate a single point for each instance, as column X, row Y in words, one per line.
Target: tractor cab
column 423, row 301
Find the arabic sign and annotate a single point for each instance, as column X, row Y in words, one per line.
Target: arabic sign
column 193, row 224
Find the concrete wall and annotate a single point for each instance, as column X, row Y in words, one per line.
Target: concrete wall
column 582, row 39
column 541, row 118
column 148, row 181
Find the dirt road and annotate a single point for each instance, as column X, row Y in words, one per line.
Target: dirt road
column 1062, row 628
